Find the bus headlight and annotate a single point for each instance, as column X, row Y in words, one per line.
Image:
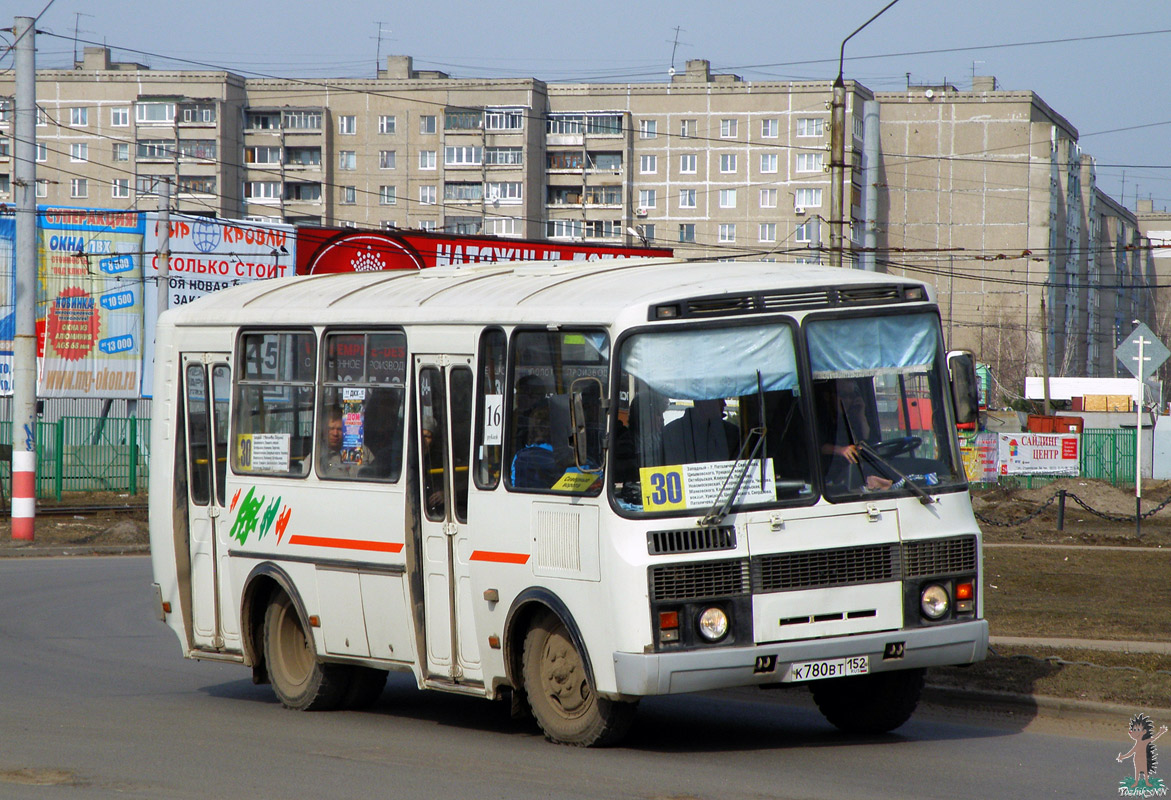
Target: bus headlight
column 713, row 624
column 934, row 601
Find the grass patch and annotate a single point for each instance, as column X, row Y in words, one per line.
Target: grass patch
column 1138, row 679
column 1091, row 594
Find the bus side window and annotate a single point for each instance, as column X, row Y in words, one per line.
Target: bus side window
column 489, row 435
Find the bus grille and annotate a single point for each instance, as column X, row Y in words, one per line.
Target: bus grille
column 694, row 540
column 939, row 556
column 782, row 572
column 701, row 579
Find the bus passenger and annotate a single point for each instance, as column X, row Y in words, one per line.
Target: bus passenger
column 534, row 466
column 848, row 419
column 701, row 435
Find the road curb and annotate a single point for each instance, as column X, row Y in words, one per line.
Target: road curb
column 53, row 551
column 1037, row 705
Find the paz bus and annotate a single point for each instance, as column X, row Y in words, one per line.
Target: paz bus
column 568, row 484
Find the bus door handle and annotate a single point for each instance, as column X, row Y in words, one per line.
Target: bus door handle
column 450, row 528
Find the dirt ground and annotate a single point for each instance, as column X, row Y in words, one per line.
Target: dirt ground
column 124, row 525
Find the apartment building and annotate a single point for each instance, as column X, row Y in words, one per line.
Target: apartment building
column 985, row 193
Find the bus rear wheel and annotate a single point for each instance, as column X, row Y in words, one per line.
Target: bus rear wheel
column 876, row 703
column 560, row 694
column 300, row 681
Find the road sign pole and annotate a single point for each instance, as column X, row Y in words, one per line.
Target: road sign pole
column 1138, row 439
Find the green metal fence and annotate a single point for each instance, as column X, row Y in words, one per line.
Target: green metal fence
column 1108, row 454
column 86, row 454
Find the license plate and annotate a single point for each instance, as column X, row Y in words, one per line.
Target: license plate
column 827, row 668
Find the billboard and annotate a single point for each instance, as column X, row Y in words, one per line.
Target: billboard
column 208, row 255
column 1039, row 453
column 321, row 250
column 89, row 302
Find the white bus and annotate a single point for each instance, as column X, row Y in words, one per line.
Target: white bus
column 580, row 483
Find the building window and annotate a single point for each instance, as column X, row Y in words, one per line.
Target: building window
column 154, row 113
column 810, row 126
column 200, row 149
column 603, row 195
column 727, row 233
column 727, row 162
column 121, row 151
column 427, row 124
column 502, row 226
column 603, row 229
column 768, row 231
column 687, row 232
column 455, row 120
column 807, row 198
column 193, row 184
column 462, row 156
column 120, row 187
column 427, row 159
column 564, row 159
column 303, row 191
column 688, row 163
column 463, row 191
column 387, row 196
column 563, row 196
column 120, row 117
column 503, row 191
column 769, row 128
column 727, row 129
column 347, row 124
column 79, row 151
column 604, row 161
column 647, row 198
column 78, row 187
column 348, row 195
column 303, row 156
column 768, row 198
column 427, row 195
column 727, row 198
column 262, row 190
column 386, row 159
column 810, row 162
column 426, row 225
column 347, row 160
column 262, row 120
column 604, row 124
column 687, row 198
column 564, row 229
column 304, row 120
column 804, row 232
column 197, row 113
column 564, row 124
column 262, row 154
column 648, row 231
column 386, row 123
column 79, row 117
column 42, row 188
column 648, row 128
column 510, row 119
column 504, row 156
column 648, row 164
column 42, row 152
column 5, row 183
column 154, row 149
column 768, row 162
column 687, row 129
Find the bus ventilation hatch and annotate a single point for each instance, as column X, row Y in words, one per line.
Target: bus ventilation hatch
column 721, row 305
column 691, row 540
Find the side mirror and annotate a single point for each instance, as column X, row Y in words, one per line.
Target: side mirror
column 585, row 414
column 965, row 388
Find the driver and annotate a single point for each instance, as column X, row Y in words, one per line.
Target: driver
column 847, row 421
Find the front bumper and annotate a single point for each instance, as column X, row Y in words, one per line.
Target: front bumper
column 640, row 674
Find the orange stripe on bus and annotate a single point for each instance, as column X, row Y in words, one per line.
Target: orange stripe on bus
column 347, row 544
column 499, row 558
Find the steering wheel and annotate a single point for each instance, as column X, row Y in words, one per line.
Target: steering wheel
column 894, row 447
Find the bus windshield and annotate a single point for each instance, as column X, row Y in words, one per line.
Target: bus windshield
column 882, row 420
column 706, row 415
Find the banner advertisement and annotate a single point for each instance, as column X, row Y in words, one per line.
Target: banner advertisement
column 208, row 255
column 1039, row 453
column 7, row 301
column 89, row 302
column 981, row 453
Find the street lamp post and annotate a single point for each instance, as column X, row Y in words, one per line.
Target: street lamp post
column 837, row 144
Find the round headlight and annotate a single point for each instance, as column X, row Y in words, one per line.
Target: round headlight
column 934, row 601
column 713, row 624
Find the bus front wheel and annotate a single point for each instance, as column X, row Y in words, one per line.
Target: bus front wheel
column 561, row 697
column 300, row 681
column 876, row 703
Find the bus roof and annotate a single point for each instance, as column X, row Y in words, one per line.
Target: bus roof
column 520, row 292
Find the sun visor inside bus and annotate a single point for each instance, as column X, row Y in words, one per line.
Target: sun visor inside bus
column 843, row 348
column 720, row 363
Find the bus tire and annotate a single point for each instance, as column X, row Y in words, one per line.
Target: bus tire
column 300, row 681
column 560, row 694
column 869, row 704
column 365, row 687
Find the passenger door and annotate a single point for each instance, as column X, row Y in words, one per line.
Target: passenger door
column 206, row 387
column 444, row 423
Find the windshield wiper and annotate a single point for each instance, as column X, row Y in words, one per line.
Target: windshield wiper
column 868, row 450
column 718, row 511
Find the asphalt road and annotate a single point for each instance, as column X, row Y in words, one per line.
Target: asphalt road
column 96, row 702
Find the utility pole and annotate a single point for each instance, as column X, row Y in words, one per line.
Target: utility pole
column 164, row 251
column 1045, row 353
column 24, row 346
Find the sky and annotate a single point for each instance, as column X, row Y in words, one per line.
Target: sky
column 1103, row 66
